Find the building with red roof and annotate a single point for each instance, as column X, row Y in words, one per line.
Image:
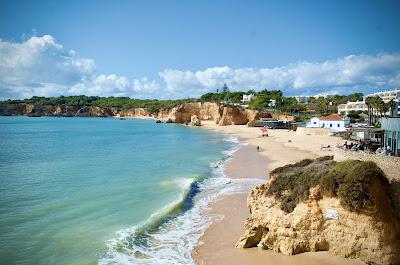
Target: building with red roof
column 334, row 122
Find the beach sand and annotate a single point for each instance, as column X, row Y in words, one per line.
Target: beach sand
column 218, row 242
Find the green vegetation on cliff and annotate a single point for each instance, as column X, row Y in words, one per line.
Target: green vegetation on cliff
column 153, row 105
column 348, row 180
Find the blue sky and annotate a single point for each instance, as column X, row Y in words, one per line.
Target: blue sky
column 159, row 49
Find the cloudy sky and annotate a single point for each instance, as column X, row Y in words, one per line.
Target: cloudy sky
column 175, row 49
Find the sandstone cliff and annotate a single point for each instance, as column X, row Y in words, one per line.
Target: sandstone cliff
column 204, row 111
column 180, row 114
column 238, row 116
column 62, row 110
column 356, row 221
column 134, row 112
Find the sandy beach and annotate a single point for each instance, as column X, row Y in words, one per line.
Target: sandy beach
column 279, row 148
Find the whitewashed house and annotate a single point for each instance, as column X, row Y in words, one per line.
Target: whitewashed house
column 334, row 122
column 246, row 98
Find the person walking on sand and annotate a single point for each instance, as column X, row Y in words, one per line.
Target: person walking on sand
column 258, row 149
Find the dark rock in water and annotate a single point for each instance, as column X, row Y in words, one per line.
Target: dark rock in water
column 169, row 121
column 33, row 115
column 122, row 119
column 158, row 121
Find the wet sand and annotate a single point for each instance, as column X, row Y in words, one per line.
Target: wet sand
column 218, row 242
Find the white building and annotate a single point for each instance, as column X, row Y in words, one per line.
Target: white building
column 246, row 98
column 272, row 103
column 302, row 99
column 352, row 105
column 334, row 122
column 386, row 95
column 324, row 95
column 361, row 106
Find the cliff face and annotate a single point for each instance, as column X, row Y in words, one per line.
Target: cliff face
column 322, row 223
column 181, row 114
column 134, row 112
column 29, row 109
column 204, row 111
column 238, row 116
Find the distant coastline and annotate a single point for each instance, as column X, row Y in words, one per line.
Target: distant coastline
column 177, row 112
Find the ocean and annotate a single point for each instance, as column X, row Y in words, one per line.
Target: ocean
column 106, row 191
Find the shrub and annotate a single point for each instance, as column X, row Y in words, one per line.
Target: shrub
column 284, row 168
column 348, row 180
column 324, row 158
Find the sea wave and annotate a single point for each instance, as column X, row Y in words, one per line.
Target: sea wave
column 170, row 235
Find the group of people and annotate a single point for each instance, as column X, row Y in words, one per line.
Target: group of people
column 384, row 151
column 366, row 146
column 360, row 146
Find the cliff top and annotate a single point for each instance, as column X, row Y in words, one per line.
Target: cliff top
column 350, row 181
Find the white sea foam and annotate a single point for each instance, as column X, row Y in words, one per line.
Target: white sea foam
column 232, row 139
column 175, row 238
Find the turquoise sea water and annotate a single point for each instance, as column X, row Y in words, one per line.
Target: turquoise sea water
column 103, row 190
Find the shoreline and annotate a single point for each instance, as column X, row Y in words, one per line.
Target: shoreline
column 217, row 245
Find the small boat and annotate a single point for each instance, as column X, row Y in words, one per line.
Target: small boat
column 34, row 115
column 6, row 114
column 122, row 119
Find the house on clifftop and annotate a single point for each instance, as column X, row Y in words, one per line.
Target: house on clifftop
column 334, row 122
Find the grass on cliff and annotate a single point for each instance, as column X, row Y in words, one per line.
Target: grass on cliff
column 348, row 180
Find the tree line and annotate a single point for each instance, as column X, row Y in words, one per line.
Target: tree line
column 153, row 105
column 263, row 100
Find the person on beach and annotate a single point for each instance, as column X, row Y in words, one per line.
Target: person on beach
column 258, row 149
column 264, row 131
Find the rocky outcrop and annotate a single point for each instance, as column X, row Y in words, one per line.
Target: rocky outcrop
column 195, row 121
column 204, row 111
column 63, row 110
column 162, row 114
column 180, row 114
column 320, row 222
column 238, row 116
column 134, row 113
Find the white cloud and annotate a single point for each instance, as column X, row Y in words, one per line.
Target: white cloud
column 114, row 85
column 40, row 66
column 354, row 71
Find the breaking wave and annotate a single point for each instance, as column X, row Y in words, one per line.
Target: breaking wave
column 170, row 235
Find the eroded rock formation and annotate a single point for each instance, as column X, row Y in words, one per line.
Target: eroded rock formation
column 180, row 114
column 204, row 111
column 322, row 223
column 195, row 121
